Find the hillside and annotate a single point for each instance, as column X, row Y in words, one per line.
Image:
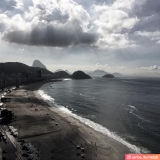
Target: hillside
column 15, row 67
column 62, row 74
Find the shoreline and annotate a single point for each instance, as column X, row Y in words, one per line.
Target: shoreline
column 58, row 127
column 95, row 126
column 62, row 113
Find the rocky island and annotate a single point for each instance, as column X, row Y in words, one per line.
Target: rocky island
column 80, row 75
column 108, row 76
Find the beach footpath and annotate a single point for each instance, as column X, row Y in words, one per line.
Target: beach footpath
column 40, row 132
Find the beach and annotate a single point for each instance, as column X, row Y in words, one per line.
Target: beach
column 55, row 134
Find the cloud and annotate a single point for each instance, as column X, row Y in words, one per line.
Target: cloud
column 104, row 24
column 57, row 21
column 148, row 13
column 152, row 36
column 48, row 35
column 148, row 34
column 155, row 67
column 158, row 41
column 21, row 49
column 7, row 5
column 108, row 67
column 61, row 24
column 112, row 23
column 147, row 8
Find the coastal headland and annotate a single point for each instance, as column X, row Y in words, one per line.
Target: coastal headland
column 54, row 134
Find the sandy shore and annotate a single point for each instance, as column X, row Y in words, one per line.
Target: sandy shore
column 55, row 134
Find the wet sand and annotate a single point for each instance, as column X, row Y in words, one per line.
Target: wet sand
column 55, row 134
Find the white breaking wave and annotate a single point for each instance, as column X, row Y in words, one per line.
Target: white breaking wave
column 90, row 123
column 86, row 96
column 67, row 79
column 139, row 117
column 133, row 107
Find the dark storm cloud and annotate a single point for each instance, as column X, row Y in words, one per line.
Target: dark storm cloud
column 48, row 35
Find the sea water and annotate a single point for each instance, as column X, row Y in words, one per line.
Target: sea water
column 125, row 109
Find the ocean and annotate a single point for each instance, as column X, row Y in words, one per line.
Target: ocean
column 125, row 109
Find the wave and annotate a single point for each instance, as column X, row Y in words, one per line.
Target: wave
column 86, row 96
column 132, row 110
column 90, row 123
column 133, row 107
column 67, row 79
column 133, row 82
column 140, row 117
column 80, row 94
column 143, row 120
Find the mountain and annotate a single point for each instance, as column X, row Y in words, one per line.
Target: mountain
column 80, row 75
column 58, row 70
column 117, row 75
column 37, row 63
column 62, row 74
column 68, row 72
column 108, row 76
column 9, row 68
column 97, row 73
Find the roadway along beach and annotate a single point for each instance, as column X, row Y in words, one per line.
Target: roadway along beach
column 55, row 134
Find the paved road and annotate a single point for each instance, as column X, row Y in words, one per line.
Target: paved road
column 14, row 142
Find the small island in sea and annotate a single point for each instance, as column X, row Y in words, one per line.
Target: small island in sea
column 108, row 76
column 80, row 75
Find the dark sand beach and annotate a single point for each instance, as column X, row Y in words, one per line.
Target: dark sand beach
column 54, row 134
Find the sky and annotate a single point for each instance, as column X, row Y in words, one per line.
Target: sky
column 113, row 35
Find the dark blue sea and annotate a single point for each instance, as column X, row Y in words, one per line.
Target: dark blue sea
column 127, row 110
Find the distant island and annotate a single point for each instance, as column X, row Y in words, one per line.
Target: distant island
column 108, row 76
column 80, row 75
